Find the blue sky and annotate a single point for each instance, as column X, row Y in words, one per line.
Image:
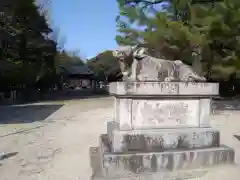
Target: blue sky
column 88, row 25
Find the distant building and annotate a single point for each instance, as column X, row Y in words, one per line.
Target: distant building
column 80, row 76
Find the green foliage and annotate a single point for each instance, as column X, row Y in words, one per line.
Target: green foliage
column 64, row 59
column 181, row 28
column 104, row 65
column 27, row 52
column 172, row 38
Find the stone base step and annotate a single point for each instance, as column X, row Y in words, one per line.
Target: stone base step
column 116, row 165
column 159, row 139
column 174, row 175
column 196, row 174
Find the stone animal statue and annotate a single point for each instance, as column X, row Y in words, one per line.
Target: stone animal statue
column 137, row 65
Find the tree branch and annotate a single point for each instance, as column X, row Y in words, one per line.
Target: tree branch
column 153, row 2
column 149, row 2
column 146, row 3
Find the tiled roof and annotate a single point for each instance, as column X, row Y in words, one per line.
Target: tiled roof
column 78, row 69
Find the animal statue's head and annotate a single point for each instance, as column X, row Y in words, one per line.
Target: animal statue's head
column 126, row 55
column 125, row 52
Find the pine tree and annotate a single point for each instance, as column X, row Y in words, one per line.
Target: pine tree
column 173, row 38
column 27, row 52
column 181, row 29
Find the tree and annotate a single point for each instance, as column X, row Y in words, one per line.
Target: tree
column 27, row 52
column 65, row 58
column 105, row 66
column 161, row 34
column 183, row 28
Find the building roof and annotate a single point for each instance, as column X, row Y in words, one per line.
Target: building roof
column 78, row 69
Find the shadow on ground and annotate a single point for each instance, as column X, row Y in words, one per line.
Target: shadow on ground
column 237, row 137
column 4, row 156
column 26, row 113
column 64, row 95
column 75, row 95
column 222, row 105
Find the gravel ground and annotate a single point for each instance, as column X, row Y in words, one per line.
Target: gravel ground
column 50, row 141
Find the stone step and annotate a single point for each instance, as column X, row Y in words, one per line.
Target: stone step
column 116, row 165
column 159, row 140
column 170, row 175
column 196, row 174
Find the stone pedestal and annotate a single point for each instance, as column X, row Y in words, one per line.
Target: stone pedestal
column 160, row 131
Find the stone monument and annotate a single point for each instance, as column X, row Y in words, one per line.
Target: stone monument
column 161, row 128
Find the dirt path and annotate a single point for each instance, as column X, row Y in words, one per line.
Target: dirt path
column 227, row 120
column 56, row 148
column 52, row 140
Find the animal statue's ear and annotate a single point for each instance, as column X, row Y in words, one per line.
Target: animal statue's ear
column 114, row 53
column 141, row 51
column 134, row 47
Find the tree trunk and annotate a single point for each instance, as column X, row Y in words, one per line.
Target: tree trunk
column 197, row 55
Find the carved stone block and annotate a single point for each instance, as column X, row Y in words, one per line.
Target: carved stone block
column 161, row 129
column 155, row 140
column 98, row 171
column 147, row 89
column 152, row 114
column 162, row 113
column 123, row 113
column 116, row 165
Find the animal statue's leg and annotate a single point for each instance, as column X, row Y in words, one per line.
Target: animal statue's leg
column 171, row 73
column 188, row 79
column 134, row 70
column 125, row 76
column 197, row 77
column 193, row 77
column 168, row 79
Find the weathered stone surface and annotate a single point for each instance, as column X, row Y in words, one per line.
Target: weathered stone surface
column 97, row 169
column 161, row 175
column 162, row 113
column 151, row 114
column 95, row 161
column 160, row 131
column 161, row 140
column 123, row 113
column 172, row 175
column 128, row 164
column 137, row 65
column 163, row 89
